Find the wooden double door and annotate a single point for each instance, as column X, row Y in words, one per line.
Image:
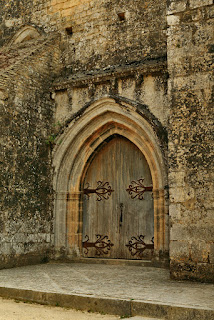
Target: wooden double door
column 118, row 215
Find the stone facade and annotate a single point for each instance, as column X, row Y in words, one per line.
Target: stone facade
column 26, row 114
column 190, row 67
column 61, row 63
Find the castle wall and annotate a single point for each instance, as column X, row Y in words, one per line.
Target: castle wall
column 190, row 66
column 26, row 109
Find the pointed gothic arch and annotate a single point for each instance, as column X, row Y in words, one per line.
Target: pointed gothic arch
column 82, row 137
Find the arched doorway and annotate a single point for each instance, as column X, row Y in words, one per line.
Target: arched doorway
column 78, row 146
column 118, row 212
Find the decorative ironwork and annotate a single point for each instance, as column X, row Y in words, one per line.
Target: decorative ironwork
column 137, row 246
column 136, row 189
column 103, row 190
column 102, row 245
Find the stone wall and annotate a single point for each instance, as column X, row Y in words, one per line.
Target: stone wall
column 112, row 33
column 80, row 51
column 108, row 48
column 190, row 66
column 26, row 113
column 97, row 33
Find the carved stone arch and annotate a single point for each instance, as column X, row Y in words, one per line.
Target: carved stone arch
column 82, row 137
column 24, row 34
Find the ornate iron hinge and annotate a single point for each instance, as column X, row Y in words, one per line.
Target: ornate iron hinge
column 136, row 189
column 137, row 245
column 103, row 190
column 102, row 245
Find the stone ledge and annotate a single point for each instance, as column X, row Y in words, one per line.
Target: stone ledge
column 108, row 74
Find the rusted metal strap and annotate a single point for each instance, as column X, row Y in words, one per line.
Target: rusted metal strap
column 102, row 245
column 103, row 190
column 136, row 189
column 137, row 245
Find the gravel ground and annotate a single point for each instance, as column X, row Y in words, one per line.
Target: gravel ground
column 15, row 310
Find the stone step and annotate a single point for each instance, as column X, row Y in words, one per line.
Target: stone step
column 143, row 310
column 142, row 318
column 118, row 290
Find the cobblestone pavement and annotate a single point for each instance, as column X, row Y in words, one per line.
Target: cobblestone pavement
column 110, row 281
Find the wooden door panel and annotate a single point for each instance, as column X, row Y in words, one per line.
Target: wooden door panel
column 98, row 215
column 121, row 217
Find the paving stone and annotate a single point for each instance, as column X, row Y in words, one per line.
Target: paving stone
column 132, row 283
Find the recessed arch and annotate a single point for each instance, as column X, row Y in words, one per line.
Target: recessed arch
column 99, row 122
column 26, row 33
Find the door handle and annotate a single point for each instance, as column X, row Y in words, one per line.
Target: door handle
column 121, row 214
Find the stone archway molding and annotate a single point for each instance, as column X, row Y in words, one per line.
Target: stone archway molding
column 24, row 34
column 71, row 156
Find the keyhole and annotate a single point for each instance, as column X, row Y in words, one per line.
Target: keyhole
column 121, row 214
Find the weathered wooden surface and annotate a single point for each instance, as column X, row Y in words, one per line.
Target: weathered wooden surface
column 119, row 162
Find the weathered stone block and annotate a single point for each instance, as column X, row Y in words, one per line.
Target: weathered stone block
column 176, row 6
column 179, row 250
column 180, row 232
column 211, row 253
column 3, row 94
column 200, row 251
column 200, row 3
column 175, row 211
column 177, row 178
column 180, row 194
column 62, row 105
column 173, row 20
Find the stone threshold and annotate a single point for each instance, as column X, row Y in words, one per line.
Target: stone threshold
column 121, row 262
